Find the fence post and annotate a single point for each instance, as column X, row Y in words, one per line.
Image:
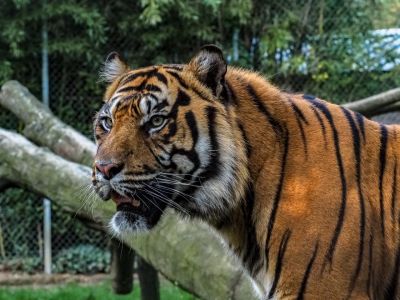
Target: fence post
column 45, row 99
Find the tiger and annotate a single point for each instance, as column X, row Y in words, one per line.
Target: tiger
column 303, row 191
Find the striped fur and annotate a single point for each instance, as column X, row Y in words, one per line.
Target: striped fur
column 303, row 191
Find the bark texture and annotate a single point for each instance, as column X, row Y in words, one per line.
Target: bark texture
column 374, row 104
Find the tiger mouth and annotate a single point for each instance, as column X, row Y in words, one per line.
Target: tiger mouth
column 121, row 200
column 132, row 214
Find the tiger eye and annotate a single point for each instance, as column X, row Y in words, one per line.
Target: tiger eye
column 107, row 123
column 156, row 121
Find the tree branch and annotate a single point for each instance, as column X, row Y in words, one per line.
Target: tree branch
column 371, row 105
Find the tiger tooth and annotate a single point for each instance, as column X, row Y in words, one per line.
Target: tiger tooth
column 135, row 202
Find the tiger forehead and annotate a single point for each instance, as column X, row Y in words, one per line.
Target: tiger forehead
column 150, row 79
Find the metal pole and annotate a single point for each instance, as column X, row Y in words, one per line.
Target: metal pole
column 235, row 43
column 45, row 99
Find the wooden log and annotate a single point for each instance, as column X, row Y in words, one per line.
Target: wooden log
column 370, row 105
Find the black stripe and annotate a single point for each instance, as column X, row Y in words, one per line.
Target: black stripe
column 173, row 67
column 382, row 160
column 157, row 158
column 233, row 97
column 148, row 74
column 227, row 96
column 160, row 105
column 279, row 262
column 182, row 99
column 360, row 120
column 211, row 113
column 211, row 80
column 161, row 77
column 262, row 108
column 339, row 225
column 277, row 197
column 192, row 124
column 298, row 111
column 127, row 89
column 152, row 88
column 394, row 190
column 132, row 77
column 136, row 109
column 303, row 287
column 199, row 93
column 141, row 86
column 392, row 288
column 178, row 78
column 357, row 155
column 369, row 289
column 309, row 97
column 300, row 118
column 172, row 128
column 148, row 104
column 321, row 123
column 251, row 257
column 245, row 140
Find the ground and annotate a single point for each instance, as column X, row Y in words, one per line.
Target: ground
column 78, row 287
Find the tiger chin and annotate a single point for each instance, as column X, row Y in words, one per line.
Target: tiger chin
column 303, row 191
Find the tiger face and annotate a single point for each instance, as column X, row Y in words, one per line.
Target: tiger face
column 159, row 135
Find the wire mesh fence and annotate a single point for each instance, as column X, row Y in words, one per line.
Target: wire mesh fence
column 333, row 53
column 75, row 247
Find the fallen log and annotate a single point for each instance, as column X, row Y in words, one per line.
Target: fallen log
column 372, row 105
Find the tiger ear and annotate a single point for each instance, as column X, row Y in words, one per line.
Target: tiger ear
column 209, row 66
column 113, row 67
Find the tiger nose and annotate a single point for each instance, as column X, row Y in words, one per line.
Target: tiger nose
column 109, row 170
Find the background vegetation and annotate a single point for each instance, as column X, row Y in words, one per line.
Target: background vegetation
column 326, row 47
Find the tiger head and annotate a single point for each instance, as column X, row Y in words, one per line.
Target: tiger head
column 165, row 139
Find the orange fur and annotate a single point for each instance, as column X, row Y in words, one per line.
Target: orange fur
column 314, row 212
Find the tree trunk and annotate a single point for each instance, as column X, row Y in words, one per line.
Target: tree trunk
column 122, row 259
column 149, row 282
column 184, row 252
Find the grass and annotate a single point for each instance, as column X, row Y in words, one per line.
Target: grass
column 99, row 291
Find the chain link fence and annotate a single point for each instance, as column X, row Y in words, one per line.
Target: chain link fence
column 366, row 68
column 75, row 247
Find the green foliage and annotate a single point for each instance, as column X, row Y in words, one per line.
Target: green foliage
column 301, row 45
column 86, row 259
column 23, row 264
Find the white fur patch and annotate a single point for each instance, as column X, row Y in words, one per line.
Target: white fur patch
column 121, row 227
column 112, row 69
